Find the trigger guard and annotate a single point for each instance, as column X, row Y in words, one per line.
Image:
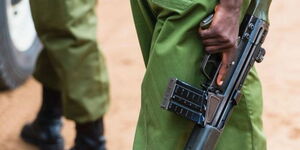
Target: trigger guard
column 208, row 60
column 204, row 64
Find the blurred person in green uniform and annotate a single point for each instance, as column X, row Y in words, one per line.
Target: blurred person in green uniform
column 173, row 46
column 72, row 72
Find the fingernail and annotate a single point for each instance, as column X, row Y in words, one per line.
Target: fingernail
column 221, row 82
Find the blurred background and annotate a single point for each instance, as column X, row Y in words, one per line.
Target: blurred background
column 279, row 73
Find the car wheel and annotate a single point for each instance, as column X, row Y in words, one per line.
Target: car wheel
column 19, row 44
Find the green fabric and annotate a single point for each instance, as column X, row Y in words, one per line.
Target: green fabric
column 71, row 61
column 171, row 47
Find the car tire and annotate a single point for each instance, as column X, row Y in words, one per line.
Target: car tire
column 19, row 44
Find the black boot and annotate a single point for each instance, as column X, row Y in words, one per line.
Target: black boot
column 44, row 131
column 89, row 136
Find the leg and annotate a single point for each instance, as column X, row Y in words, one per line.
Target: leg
column 72, row 63
column 68, row 32
column 175, row 50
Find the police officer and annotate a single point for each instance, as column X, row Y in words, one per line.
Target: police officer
column 172, row 46
column 72, row 72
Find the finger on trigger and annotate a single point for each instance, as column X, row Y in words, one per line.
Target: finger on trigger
column 221, row 74
column 224, row 68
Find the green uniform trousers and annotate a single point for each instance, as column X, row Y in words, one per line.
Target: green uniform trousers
column 171, row 47
column 71, row 61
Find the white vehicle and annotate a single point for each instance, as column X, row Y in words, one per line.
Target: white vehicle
column 19, row 44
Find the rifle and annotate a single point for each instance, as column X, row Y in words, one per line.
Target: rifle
column 211, row 105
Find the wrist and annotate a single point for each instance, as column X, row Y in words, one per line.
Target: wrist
column 225, row 11
column 233, row 6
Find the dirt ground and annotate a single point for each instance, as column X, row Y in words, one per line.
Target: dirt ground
column 279, row 74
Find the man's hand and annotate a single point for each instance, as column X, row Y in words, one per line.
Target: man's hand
column 221, row 36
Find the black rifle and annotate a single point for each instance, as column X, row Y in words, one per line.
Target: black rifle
column 210, row 106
